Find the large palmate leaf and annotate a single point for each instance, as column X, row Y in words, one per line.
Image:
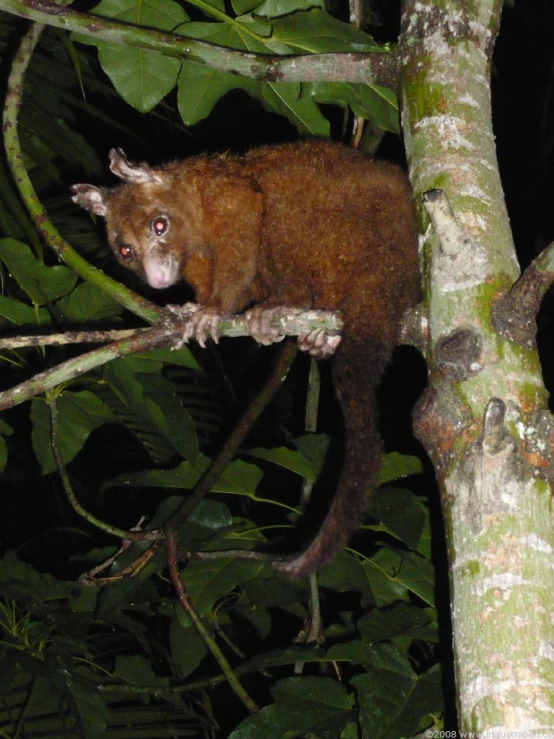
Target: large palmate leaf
column 143, row 78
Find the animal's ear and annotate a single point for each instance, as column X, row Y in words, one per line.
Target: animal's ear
column 130, row 172
column 90, row 198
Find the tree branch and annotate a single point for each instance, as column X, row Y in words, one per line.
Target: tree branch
column 371, row 68
column 166, row 333
column 514, row 314
column 242, row 428
column 209, row 641
column 137, row 304
column 69, row 337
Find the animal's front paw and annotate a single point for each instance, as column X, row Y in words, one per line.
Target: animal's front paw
column 318, row 343
column 260, row 322
column 202, row 322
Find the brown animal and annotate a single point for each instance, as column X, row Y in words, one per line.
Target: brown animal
column 307, row 225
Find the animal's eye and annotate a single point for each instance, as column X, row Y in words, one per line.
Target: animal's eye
column 125, row 252
column 159, row 225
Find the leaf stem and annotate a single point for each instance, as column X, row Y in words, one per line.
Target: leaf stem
column 51, row 398
column 15, row 88
column 221, row 16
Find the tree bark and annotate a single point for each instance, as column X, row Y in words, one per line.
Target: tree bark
column 484, row 420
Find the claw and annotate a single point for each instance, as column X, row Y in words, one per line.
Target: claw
column 318, row 343
column 205, row 325
column 259, row 320
column 201, row 323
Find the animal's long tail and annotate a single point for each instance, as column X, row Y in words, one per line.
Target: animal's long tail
column 358, row 369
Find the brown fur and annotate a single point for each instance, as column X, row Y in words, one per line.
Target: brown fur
column 309, row 225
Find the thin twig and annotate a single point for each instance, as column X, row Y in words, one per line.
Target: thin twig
column 214, row 471
column 68, row 337
column 68, row 489
column 139, row 341
column 208, row 639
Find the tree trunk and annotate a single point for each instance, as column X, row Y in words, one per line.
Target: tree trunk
column 484, row 419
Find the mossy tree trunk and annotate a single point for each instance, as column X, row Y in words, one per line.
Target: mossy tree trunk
column 484, row 418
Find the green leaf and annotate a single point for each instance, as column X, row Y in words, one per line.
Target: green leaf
column 142, row 78
column 5, row 430
column 312, row 30
column 401, row 512
column 243, row 35
column 396, row 465
column 87, row 706
column 290, row 459
column 290, row 656
column 209, row 579
column 42, row 435
column 259, row 618
column 336, row 93
column 182, row 357
column 44, row 695
column 8, row 673
column 137, row 670
column 301, row 112
column 321, row 691
column 150, row 395
column 187, row 647
column 345, row 574
column 277, row 8
column 38, row 587
column 200, row 87
column 208, row 516
column 42, row 284
column 353, row 651
column 394, row 574
column 393, row 699
column 88, row 303
column 315, row 706
column 169, row 416
column 375, row 103
column 83, row 599
column 238, row 477
column 271, row 592
column 117, row 595
column 314, row 447
column 163, row 14
column 78, row 415
column 381, row 105
column 217, row 4
column 244, row 6
column 424, row 546
column 3, row 453
column 22, row 314
column 400, row 620
column 212, row 515
column 315, row 31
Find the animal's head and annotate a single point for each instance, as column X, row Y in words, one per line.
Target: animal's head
column 153, row 221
